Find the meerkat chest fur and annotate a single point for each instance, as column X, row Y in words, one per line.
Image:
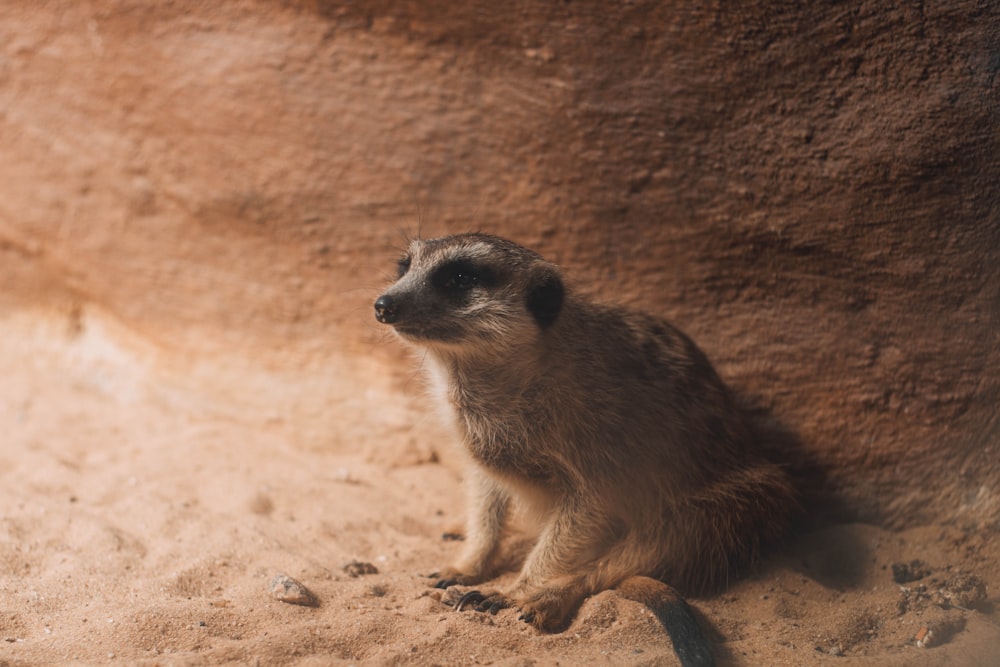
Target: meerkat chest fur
column 500, row 410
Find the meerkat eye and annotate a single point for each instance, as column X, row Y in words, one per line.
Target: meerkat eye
column 462, row 281
column 461, row 276
column 402, row 266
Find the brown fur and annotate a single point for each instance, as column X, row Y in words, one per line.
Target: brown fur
column 611, row 427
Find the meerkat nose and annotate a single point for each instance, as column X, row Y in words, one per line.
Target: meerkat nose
column 385, row 309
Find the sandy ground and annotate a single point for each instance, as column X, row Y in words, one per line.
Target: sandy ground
column 147, row 500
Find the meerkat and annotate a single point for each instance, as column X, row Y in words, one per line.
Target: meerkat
column 610, row 427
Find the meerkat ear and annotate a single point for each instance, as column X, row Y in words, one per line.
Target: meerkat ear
column 545, row 294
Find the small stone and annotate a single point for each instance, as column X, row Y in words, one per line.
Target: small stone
column 286, row 589
column 358, row 568
column 938, row 632
column 904, row 573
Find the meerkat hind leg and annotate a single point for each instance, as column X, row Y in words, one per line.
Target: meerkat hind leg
column 549, row 603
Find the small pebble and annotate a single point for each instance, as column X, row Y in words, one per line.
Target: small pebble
column 939, row 632
column 358, row 568
column 286, row 589
column 904, row 573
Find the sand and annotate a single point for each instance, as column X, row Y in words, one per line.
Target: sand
column 149, row 496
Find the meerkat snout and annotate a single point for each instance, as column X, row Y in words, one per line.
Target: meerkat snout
column 386, row 309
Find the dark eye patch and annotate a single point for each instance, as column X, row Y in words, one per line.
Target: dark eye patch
column 402, row 266
column 461, row 276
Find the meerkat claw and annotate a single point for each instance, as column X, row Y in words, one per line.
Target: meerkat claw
column 470, row 598
column 493, row 604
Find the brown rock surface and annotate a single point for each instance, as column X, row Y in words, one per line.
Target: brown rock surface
column 198, row 203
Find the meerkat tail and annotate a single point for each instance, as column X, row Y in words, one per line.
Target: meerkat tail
column 676, row 617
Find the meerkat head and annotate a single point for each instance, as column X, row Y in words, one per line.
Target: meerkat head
column 471, row 293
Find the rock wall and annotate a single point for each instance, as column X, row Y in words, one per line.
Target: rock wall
column 811, row 191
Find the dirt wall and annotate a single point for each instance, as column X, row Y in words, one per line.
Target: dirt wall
column 810, row 191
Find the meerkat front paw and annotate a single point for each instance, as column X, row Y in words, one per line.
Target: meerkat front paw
column 491, row 602
column 546, row 610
